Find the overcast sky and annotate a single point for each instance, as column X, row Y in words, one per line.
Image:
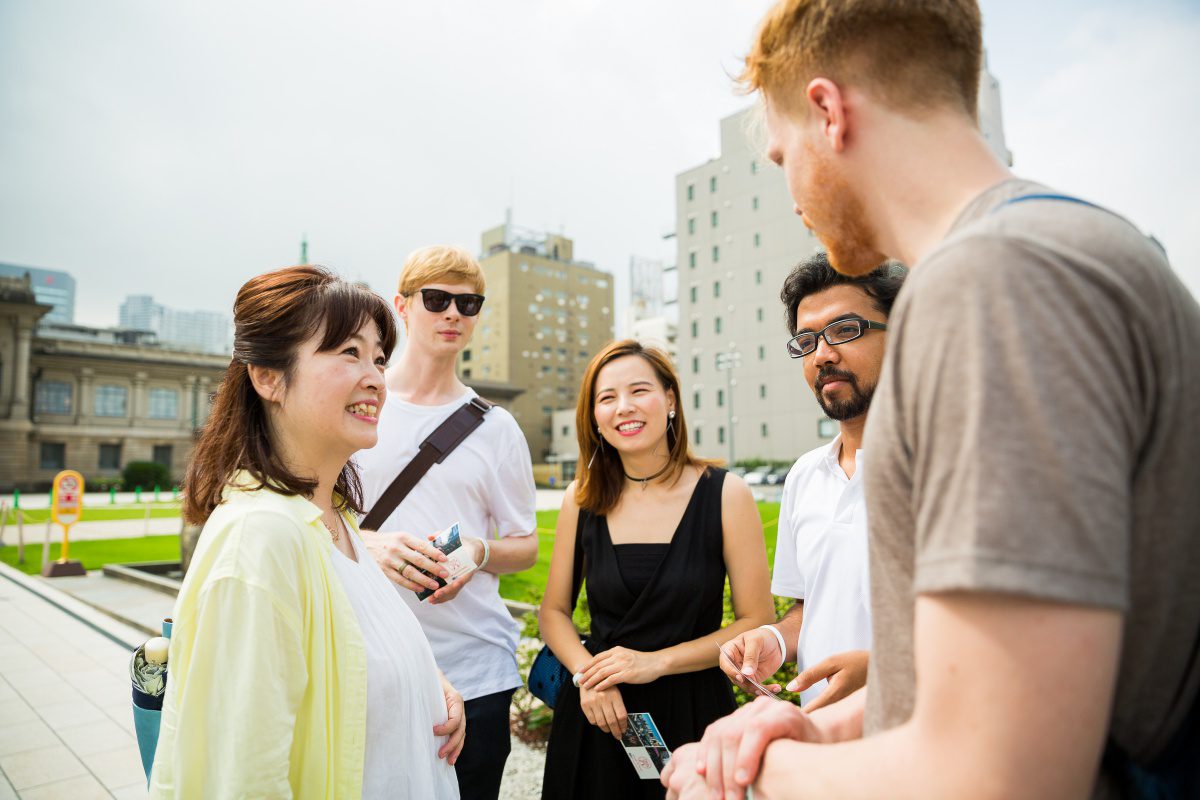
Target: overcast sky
column 177, row 149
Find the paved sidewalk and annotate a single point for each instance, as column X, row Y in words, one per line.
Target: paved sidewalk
column 66, row 728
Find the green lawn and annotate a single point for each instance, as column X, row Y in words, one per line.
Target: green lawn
column 524, row 586
column 95, row 554
column 91, row 513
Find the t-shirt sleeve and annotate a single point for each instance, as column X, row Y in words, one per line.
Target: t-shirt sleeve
column 513, row 497
column 786, row 580
column 1020, row 391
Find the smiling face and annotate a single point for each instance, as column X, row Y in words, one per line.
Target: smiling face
column 328, row 407
column 842, row 376
column 438, row 333
column 631, row 405
column 829, row 206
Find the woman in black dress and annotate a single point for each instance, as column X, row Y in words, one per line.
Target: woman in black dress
column 659, row 532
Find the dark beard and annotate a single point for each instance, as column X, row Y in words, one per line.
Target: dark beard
column 841, row 410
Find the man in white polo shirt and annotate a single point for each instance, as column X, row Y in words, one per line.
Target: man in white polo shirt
column 838, row 329
column 485, row 484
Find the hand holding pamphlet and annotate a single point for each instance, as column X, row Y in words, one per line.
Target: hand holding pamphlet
column 645, row 746
column 458, row 559
column 755, row 684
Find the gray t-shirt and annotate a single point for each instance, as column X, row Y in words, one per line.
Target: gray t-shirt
column 1036, row 431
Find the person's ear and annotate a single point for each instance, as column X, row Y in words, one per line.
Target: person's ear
column 827, row 105
column 401, row 304
column 267, row 382
column 670, row 400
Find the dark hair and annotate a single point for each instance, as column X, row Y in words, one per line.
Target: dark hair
column 273, row 315
column 816, row 275
column 598, row 486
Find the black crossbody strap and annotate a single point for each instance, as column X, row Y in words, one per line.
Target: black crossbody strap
column 439, row 444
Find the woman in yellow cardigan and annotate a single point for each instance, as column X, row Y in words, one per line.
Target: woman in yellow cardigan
column 295, row 668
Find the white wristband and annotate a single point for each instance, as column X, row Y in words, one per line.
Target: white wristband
column 487, row 552
column 779, row 636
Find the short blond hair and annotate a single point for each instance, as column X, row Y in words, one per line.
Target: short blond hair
column 439, row 264
column 909, row 54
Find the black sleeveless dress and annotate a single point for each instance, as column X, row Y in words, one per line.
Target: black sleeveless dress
column 683, row 601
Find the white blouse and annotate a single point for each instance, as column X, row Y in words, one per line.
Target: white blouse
column 404, row 696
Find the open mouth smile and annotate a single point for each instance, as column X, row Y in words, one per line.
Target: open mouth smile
column 632, row 428
column 367, row 412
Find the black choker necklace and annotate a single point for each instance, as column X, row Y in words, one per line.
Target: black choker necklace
column 644, row 481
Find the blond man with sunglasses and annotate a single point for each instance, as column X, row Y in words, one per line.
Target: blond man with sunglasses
column 485, row 485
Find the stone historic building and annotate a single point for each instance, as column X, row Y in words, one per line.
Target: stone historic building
column 92, row 400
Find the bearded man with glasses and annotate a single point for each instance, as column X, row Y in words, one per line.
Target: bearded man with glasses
column 837, row 325
column 485, row 484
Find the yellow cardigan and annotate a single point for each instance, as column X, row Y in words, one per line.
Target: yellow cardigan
column 267, row 671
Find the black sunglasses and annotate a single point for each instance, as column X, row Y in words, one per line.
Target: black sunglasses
column 437, row 301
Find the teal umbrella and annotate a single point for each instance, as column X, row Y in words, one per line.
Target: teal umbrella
column 148, row 671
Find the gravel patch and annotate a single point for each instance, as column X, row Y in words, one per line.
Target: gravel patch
column 522, row 772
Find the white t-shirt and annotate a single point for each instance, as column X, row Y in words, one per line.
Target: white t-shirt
column 404, row 697
column 486, row 485
column 821, row 557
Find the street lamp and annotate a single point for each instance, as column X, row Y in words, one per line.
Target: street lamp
column 726, row 362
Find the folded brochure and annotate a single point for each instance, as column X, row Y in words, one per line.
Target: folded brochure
column 458, row 559
column 645, row 746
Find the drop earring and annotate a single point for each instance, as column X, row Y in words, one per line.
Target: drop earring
column 599, row 447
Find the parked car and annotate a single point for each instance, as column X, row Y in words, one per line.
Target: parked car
column 776, row 476
column 757, row 476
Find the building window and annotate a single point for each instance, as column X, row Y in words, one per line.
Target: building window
column 692, row 260
column 753, row 167
column 757, row 240
column 754, row 203
column 162, row 455
column 712, row 184
column 695, row 329
column 762, row 391
column 721, row 434
column 466, row 355
column 164, row 404
column 759, row 314
column 720, row 398
column 53, row 397
column 826, row 428
column 713, row 218
column 692, row 294
column 696, row 401
column 691, row 225
column 53, row 455
column 695, row 364
column 110, row 456
column 763, row 429
column 716, row 288
column 757, row 274
column 717, row 324
column 466, row 373
column 716, row 253
column 111, row 401
column 762, row 353
column 691, row 192
column 697, row 437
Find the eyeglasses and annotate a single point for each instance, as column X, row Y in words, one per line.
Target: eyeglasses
column 437, row 301
column 840, row 332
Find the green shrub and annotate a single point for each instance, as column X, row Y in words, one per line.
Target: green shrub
column 145, row 475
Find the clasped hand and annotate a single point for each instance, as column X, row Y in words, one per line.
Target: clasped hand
column 620, row 665
column 727, row 759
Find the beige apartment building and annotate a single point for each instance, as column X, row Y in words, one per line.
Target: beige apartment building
column 92, row 400
column 546, row 315
column 737, row 238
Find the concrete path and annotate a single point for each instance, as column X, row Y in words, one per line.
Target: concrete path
column 66, row 728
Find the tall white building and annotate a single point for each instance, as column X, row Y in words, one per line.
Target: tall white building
column 737, row 238
column 200, row 331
